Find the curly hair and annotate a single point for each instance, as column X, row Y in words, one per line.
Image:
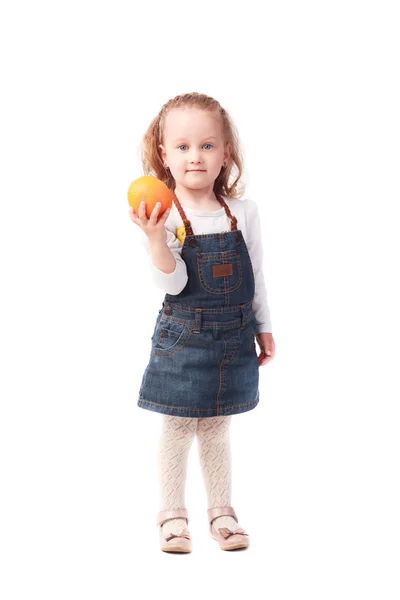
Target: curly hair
column 228, row 181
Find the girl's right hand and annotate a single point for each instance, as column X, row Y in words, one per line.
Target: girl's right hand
column 155, row 230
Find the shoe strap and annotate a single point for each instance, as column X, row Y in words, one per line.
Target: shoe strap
column 166, row 515
column 222, row 511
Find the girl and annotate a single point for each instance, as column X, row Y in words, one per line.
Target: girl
column 206, row 255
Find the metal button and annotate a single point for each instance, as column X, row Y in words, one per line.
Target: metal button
column 193, row 243
column 168, row 310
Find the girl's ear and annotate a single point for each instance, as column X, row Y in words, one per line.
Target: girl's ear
column 227, row 152
column 163, row 153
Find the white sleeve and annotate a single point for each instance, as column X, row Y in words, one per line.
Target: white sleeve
column 171, row 283
column 255, row 248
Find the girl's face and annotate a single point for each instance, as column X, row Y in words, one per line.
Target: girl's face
column 193, row 148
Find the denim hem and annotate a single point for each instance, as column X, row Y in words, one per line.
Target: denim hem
column 194, row 413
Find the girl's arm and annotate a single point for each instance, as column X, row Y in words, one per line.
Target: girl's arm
column 162, row 257
column 255, row 247
column 168, row 269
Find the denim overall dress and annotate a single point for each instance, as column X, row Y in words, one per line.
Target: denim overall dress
column 203, row 360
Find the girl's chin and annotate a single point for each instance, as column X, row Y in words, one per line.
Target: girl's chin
column 193, row 184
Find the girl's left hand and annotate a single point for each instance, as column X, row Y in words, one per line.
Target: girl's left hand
column 267, row 347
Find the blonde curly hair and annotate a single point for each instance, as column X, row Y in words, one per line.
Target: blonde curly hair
column 228, row 182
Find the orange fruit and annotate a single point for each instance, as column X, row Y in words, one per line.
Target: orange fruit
column 151, row 190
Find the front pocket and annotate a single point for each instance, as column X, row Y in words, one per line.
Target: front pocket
column 250, row 332
column 220, row 272
column 253, row 326
column 170, row 337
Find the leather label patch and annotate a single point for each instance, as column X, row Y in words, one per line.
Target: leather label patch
column 222, row 270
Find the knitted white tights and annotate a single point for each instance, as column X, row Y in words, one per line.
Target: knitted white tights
column 173, row 451
column 215, row 460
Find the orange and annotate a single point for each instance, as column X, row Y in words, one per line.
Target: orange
column 151, row 190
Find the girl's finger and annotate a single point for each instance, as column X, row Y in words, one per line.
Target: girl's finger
column 142, row 213
column 165, row 216
column 154, row 213
column 265, row 361
column 135, row 220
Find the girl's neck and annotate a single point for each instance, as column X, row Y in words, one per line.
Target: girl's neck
column 197, row 199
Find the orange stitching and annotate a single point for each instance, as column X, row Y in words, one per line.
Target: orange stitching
column 143, row 401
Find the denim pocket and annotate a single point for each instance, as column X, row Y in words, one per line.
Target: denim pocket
column 170, row 337
column 220, row 272
column 253, row 326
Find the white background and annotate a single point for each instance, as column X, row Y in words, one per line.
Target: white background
column 313, row 88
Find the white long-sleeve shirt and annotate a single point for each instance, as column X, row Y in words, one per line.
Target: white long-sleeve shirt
column 248, row 221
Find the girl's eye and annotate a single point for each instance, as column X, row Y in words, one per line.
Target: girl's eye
column 185, row 146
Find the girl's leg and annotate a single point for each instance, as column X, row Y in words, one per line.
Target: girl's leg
column 215, row 461
column 173, row 450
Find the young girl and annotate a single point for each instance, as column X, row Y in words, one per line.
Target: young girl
column 206, row 255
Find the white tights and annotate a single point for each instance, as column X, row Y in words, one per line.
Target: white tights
column 215, row 459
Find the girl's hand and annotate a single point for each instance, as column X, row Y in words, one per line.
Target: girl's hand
column 155, row 230
column 267, row 347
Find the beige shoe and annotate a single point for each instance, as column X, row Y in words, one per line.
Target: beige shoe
column 172, row 542
column 227, row 539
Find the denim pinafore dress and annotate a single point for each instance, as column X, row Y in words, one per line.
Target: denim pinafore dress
column 203, row 360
